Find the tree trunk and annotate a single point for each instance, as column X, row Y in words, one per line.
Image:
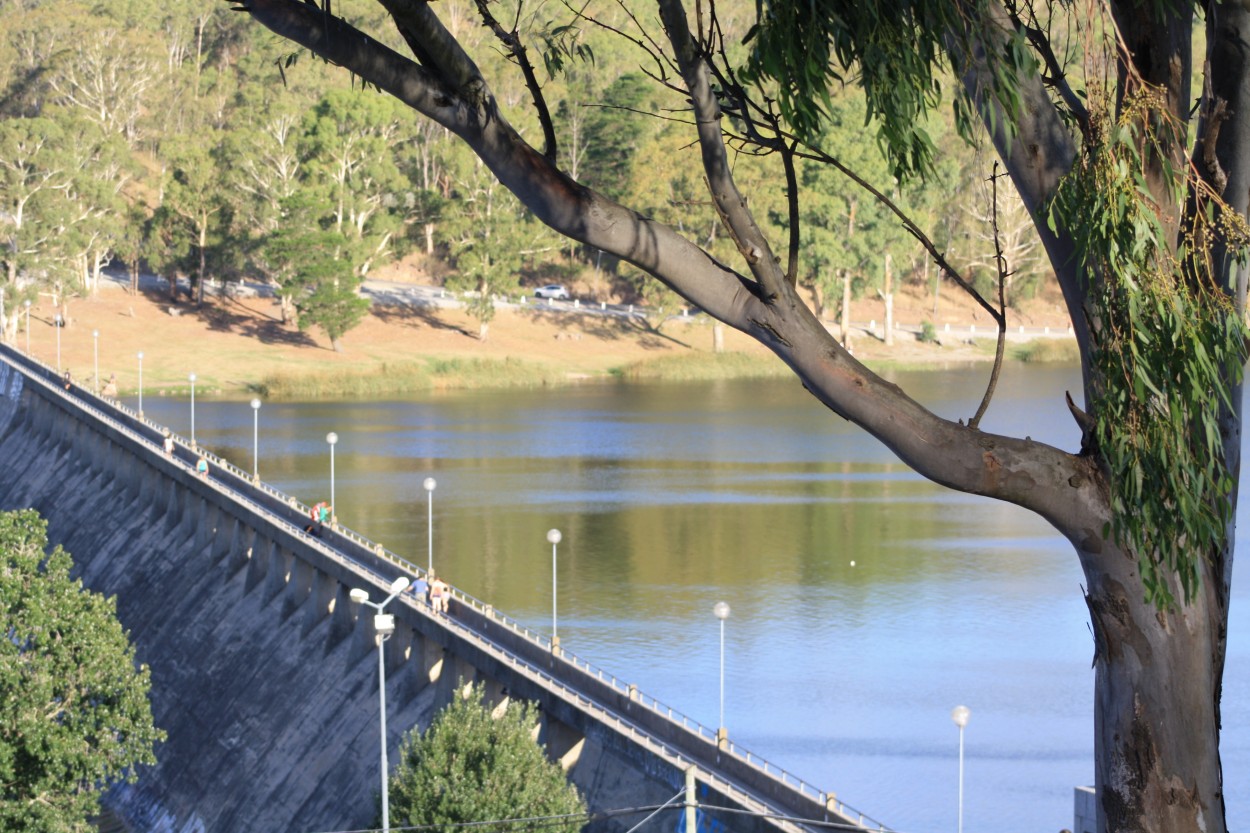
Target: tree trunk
column 888, row 298
column 845, row 322
column 287, row 304
column 199, row 288
column 97, row 266
column 818, row 300
column 846, row 277
column 1154, row 773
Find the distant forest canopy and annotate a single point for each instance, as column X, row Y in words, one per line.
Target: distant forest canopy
column 177, row 137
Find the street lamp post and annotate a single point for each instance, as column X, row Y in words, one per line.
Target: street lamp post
column 721, row 611
column 384, row 626
column 255, row 440
column 553, row 535
column 429, row 483
column 332, row 438
column 140, row 384
column 960, row 715
column 59, row 323
column 95, row 342
column 26, row 304
column 191, row 379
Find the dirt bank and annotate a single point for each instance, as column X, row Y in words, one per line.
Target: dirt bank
column 231, row 344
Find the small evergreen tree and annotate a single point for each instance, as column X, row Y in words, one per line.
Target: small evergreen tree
column 473, row 764
column 74, row 711
column 330, row 299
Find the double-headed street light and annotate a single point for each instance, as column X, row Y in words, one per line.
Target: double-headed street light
column 384, row 626
column 255, row 440
column 332, row 438
column 721, row 611
column 553, row 536
column 429, row 483
column 960, row 715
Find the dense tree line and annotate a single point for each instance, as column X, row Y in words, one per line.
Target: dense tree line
column 175, row 138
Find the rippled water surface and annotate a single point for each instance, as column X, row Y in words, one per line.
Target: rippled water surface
column 866, row 602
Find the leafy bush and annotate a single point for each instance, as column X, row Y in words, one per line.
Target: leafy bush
column 74, row 712
column 475, row 765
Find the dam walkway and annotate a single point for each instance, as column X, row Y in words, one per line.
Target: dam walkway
column 246, row 621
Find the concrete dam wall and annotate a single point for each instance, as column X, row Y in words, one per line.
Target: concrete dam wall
column 264, row 672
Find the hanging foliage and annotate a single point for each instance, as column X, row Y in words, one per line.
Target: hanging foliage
column 1168, row 347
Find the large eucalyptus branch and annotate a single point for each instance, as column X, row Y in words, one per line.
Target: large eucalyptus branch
column 751, row 241
column 1221, row 154
column 1221, row 160
column 435, row 47
column 1061, row 487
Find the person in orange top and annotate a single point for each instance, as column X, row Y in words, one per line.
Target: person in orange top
column 439, row 591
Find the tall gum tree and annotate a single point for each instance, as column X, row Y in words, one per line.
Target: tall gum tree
column 1145, row 234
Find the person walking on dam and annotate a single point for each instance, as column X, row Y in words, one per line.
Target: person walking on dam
column 320, row 513
column 421, row 589
column 438, row 594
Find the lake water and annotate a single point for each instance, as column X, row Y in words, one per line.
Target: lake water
column 866, row 602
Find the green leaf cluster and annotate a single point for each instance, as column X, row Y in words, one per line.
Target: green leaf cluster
column 331, row 299
column 1168, row 347
column 474, row 765
column 74, row 711
column 895, row 50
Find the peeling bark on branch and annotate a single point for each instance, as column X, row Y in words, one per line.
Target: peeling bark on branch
column 1023, row 472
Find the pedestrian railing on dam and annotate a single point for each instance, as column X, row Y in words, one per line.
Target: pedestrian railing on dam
column 611, row 700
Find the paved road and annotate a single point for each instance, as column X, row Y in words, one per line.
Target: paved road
column 391, row 294
column 382, row 293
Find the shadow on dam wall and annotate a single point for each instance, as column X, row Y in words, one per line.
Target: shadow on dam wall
column 264, row 675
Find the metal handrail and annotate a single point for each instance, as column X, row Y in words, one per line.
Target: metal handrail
column 487, row 611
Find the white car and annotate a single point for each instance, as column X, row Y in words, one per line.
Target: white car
column 552, row 291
